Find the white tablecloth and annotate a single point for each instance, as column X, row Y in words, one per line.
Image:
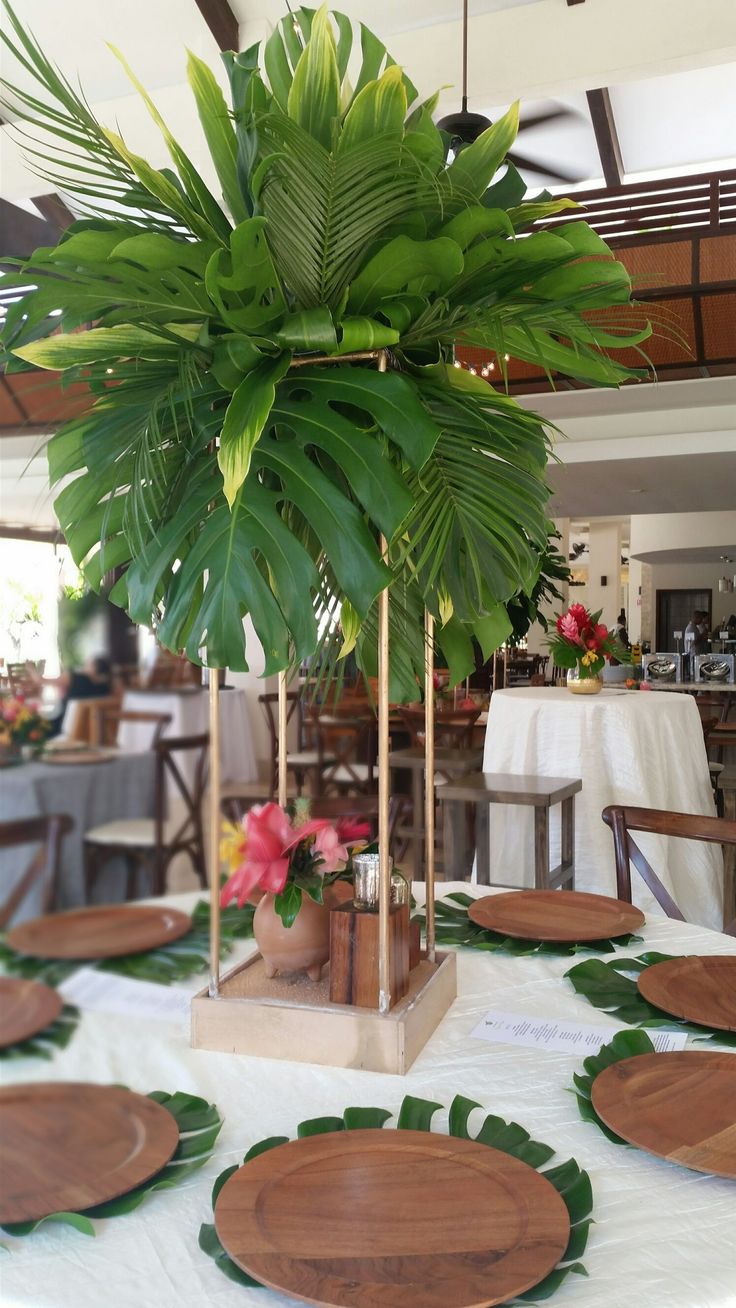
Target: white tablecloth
column 627, row 748
column 663, row 1236
column 189, row 713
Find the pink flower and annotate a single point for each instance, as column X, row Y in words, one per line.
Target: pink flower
column 266, row 864
column 10, row 712
column 352, row 832
column 568, row 628
column 330, row 849
column 601, row 632
column 580, row 615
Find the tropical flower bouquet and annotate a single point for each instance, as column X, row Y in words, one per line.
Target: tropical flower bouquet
column 21, row 724
column 291, row 858
column 584, row 645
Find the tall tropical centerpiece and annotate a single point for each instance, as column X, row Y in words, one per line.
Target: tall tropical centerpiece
column 218, row 471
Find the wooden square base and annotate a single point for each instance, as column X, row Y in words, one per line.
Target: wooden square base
column 291, row 1018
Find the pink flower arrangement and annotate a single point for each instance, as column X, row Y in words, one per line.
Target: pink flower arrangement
column 21, row 722
column 584, row 642
column 271, row 849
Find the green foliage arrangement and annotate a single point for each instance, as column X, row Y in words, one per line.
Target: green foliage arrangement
column 222, row 480
column 453, row 926
column 43, row 1044
column 176, row 961
column 569, row 1180
column 199, row 1125
column 606, row 986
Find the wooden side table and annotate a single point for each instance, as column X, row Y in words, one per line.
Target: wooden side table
column 485, row 788
column 448, row 763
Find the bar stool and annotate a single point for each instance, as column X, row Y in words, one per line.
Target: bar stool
column 481, row 789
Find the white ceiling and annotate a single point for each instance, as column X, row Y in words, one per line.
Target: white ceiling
column 684, row 483
column 695, row 554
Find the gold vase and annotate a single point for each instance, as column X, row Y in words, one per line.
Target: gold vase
column 583, row 685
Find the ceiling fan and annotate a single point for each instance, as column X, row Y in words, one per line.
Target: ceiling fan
column 463, row 127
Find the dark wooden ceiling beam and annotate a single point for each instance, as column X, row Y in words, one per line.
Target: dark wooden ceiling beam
column 604, row 126
column 54, row 210
column 222, row 22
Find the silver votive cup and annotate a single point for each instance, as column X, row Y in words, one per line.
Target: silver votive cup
column 366, row 880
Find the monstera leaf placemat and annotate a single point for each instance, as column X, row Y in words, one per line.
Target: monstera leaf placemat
column 568, row 1179
column 606, row 985
column 453, row 926
column 176, row 961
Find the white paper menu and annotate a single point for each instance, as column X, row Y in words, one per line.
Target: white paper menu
column 105, row 992
column 562, row 1037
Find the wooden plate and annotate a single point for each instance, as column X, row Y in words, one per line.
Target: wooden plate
column 404, row 1219
column 681, row 1107
column 699, row 989
column 26, row 1007
column 66, row 1146
column 103, row 932
column 64, row 757
column 566, row 916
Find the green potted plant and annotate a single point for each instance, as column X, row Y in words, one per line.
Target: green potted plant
column 216, row 477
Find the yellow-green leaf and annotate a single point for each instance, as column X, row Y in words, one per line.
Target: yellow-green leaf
column 314, row 97
column 219, row 132
column 472, row 170
column 379, row 110
column 245, row 418
column 123, row 342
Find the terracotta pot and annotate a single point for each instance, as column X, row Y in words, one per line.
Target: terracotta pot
column 302, row 947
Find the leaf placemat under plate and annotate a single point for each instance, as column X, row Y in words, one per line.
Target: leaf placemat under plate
column 99, row 931
column 453, row 926
column 199, row 1125
column 568, row 1179
column 33, row 1019
column 177, row 961
column 665, row 1118
column 606, row 986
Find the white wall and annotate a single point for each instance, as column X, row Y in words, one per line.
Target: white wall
column 654, row 532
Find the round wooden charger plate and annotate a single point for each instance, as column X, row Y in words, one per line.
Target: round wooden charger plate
column 66, row 1146
column 564, row 916
column 101, row 932
column 680, row 1106
column 697, row 988
column 407, row 1219
column 26, row 1007
column 66, row 758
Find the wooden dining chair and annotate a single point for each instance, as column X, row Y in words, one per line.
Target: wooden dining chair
column 347, row 746
column 108, row 720
column 687, row 826
column 150, row 844
column 43, row 869
column 453, row 728
column 302, row 762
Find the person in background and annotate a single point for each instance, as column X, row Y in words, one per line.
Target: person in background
column 93, row 681
column 619, row 629
column 696, row 633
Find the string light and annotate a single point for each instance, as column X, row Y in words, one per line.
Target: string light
column 109, row 370
column 507, row 357
column 458, row 363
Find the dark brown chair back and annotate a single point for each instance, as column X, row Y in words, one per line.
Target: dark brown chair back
column 453, row 729
column 342, row 741
column 109, row 719
column 269, row 704
column 687, row 826
column 47, row 832
column 189, row 835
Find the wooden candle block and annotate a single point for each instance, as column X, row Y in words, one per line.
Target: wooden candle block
column 354, row 955
column 415, row 944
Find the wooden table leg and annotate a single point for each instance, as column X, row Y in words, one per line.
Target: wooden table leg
column 567, row 839
column 729, row 861
column 541, row 847
column 483, row 843
column 456, row 856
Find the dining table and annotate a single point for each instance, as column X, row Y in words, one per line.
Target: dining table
column 90, row 793
column 662, row 1235
column 627, row 747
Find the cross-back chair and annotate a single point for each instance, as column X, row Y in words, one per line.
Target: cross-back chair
column 150, row 844
column 453, row 728
column 687, row 826
column 347, row 746
column 302, row 762
column 47, row 833
column 107, row 726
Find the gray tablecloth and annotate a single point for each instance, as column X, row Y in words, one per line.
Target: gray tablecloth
column 89, row 794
